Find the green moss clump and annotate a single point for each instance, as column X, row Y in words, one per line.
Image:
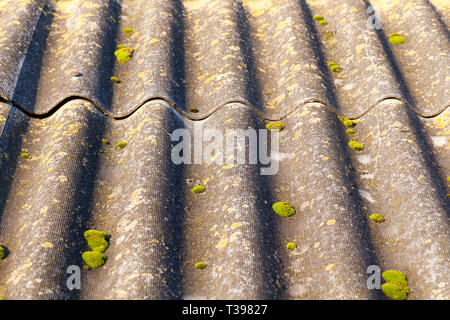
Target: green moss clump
column 124, row 54
column 283, row 209
column 104, row 141
column 356, row 146
column 94, row 259
column 318, row 17
column 395, row 291
column 377, row 218
column 291, row 246
column 127, row 30
column 350, row 131
column 334, row 67
column 397, row 39
column 120, row 145
column 394, row 276
column 25, row 155
column 2, row 253
column 96, row 233
column 200, row 265
column 193, row 109
column 396, row 286
column 349, row 123
column 97, row 240
column 198, row 189
column 276, row 126
column 328, row 35
column 115, row 80
column 97, row 244
column 323, row 22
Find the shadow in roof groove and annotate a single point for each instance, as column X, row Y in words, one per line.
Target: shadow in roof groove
column 177, row 60
column 252, row 83
column 150, row 250
column 11, row 141
column 413, row 117
column 104, row 86
column 321, row 60
column 28, row 79
column 394, row 65
column 145, row 215
column 322, row 189
column 272, row 275
column 431, row 163
column 67, row 223
column 369, row 253
column 87, row 165
column 17, row 123
column 439, row 18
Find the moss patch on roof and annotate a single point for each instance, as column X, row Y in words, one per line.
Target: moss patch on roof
column 94, row 259
column 120, row 145
column 276, row 126
column 2, row 253
column 200, row 265
column 291, row 246
column 124, row 54
column 377, row 218
column 97, row 240
column 334, row 67
column 396, row 38
column 283, row 209
column 356, row 146
column 318, row 17
column 198, row 189
column 127, row 30
column 396, row 286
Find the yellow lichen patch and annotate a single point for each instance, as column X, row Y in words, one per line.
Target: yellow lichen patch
column 211, row 78
column 47, row 245
column 281, row 25
column 228, row 166
column 316, row 245
column 236, row 225
column 331, row 222
column 154, row 40
column 222, row 243
column 329, row 267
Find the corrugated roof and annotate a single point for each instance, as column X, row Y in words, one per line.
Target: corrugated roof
column 240, row 64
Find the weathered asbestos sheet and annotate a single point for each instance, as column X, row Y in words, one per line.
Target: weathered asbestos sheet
column 201, row 55
column 227, row 65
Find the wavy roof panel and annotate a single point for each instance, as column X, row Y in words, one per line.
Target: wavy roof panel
column 224, row 65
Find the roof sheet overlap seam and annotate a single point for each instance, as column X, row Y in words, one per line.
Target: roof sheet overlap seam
column 187, row 116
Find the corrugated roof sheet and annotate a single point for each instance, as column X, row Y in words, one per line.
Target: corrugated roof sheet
column 240, row 64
